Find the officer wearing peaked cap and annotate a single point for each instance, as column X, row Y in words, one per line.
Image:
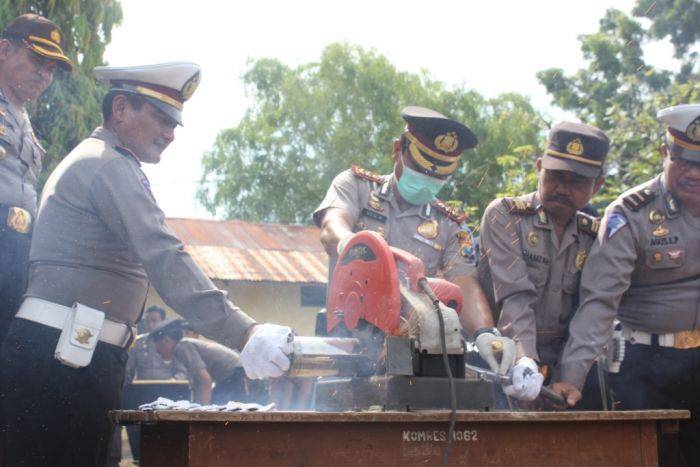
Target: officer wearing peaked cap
column 534, row 246
column 643, row 269
column 30, row 52
column 402, row 206
column 99, row 238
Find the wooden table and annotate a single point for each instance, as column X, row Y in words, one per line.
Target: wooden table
column 210, row 439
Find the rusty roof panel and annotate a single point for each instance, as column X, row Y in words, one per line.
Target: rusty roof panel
column 238, row 250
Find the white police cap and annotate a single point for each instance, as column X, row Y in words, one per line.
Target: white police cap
column 683, row 133
column 165, row 85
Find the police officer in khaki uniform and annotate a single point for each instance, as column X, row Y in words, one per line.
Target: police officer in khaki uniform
column 98, row 239
column 144, row 362
column 644, row 269
column 534, row 246
column 30, row 53
column 204, row 362
column 402, row 206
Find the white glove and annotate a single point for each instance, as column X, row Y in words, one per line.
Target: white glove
column 527, row 380
column 485, row 344
column 265, row 353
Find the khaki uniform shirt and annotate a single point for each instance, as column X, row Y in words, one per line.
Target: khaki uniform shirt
column 532, row 276
column 439, row 238
column 145, row 363
column 197, row 354
column 20, row 158
column 643, row 268
column 100, row 236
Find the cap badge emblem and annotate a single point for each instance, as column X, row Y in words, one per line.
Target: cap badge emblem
column 190, row 86
column 581, row 259
column 19, row 220
column 533, row 239
column 428, row 229
column 447, row 142
column 575, row 147
column 693, row 130
column 657, row 257
column 56, row 36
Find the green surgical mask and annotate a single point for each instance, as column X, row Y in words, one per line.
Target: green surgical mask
column 417, row 188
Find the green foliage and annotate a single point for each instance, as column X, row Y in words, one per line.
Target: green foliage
column 71, row 108
column 309, row 123
column 621, row 93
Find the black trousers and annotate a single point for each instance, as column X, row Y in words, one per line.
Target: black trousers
column 654, row 377
column 56, row 415
column 14, row 263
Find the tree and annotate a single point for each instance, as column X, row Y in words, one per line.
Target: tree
column 308, row 123
column 71, row 108
column 621, row 93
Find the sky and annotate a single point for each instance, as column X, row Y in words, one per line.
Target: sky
column 490, row 46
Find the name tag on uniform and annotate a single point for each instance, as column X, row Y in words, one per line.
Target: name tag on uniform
column 374, row 215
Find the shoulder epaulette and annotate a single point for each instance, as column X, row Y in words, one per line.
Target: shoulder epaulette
column 454, row 213
column 366, row 174
column 519, row 206
column 635, row 201
column 587, row 224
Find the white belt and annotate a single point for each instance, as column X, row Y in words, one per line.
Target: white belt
column 54, row 315
column 678, row 340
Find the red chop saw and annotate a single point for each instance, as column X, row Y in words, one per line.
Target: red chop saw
column 383, row 346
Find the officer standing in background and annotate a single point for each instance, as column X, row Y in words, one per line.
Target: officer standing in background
column 98, row 240
column 403, row 208
column 534, row 246
column 204, row 363
column 644, row 269
column 144, row 362
column 30, row 53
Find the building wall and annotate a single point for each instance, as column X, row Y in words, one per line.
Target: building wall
column 272, row 302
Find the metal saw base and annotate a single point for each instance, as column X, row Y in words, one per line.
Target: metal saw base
column 402, row 393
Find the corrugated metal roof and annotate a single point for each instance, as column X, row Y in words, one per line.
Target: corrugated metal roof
column 248, row 251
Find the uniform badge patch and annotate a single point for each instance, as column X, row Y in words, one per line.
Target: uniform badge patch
column 675, row 255
column 656, row 257
column 428, row 229
column 660, row 231
column 83, row 335
column 19, row 220
column 656, row 217
column 615, row 222
column 533, row 239
column 466, row 241
column 374, row 202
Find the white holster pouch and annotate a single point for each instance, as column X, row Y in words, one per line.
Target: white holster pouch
column 79, row 336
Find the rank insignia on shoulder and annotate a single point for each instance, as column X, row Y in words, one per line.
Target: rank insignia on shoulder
column 588, row 224
column 454, row 213
column 519, row 206
column 366, row 174
column 614, row 223
column 542, row 217
column 3, row 153
column 638, row 199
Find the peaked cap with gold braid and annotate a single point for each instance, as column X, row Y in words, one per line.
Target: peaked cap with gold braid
column 683, row 133
column 41, row 36
column 435, row 142
column 165, row 85
column 576, row 147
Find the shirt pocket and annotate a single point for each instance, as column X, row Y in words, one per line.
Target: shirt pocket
column 538, row 274
column 571, row 279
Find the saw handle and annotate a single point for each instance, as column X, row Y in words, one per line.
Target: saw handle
column 413, row 267
column 552, row 396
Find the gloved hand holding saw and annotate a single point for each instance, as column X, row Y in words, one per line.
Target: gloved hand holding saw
column 527, row 380
column 266, row 353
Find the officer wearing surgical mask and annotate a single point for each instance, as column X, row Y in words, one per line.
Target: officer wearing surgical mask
column 403, row 208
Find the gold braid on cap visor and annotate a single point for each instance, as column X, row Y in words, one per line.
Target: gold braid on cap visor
column 159, row 96
column 415, row 147
column 583, row 160
column 681, row 143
